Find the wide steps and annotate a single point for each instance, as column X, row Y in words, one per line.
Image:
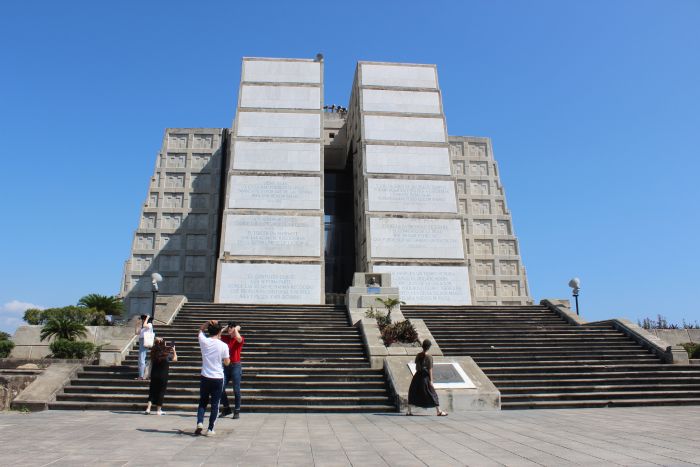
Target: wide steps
column 539, row 360
column 295, row 359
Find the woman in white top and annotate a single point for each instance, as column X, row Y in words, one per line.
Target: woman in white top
column 145, row 325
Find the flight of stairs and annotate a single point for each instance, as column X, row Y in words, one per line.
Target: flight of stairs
column 538, row 360
column 295, row 359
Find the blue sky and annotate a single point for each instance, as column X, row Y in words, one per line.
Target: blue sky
column 593, row 108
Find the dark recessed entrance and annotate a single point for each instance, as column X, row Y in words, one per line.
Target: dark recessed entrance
column 338, row 230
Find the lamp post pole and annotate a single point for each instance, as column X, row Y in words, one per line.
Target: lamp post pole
column 575, row 285
column 155, row 278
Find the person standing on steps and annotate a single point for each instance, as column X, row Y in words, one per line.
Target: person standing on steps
column 232, row 337
column 161, row 356
column 144, row 329
column 422, row 393
column 211, row 382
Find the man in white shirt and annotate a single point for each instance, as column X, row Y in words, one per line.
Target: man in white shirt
column 211, row 382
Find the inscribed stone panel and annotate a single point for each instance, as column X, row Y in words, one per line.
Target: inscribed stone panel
column 173, row 200
column 169, row 263
column 374, row 74
column 177, row 141
column 270, row 283
column 273, row 235
column 281, row 97
column 250, row 155
column 196, row 242
column 195, row 263
column 174, row 180
column 430, row 285
column 381, row 100
column 200, row 182
column 200, row 160
column 275, row 192
column 198, row 221
column 144, row 242
column 407, row 159
column 278, row 71
column 202, row 141
column 485, row 288
column 383, row 127
column 170, row 241
column 148, row 221
column 411, row 195
column 199, row 201
column 416, row 238
column 283, row 125
column 170, row 220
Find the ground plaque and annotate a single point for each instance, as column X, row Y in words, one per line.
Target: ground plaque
column 447, row 375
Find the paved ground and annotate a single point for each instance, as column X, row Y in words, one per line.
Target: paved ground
column 621, row 436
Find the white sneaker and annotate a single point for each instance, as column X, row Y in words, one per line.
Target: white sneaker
column 210, row 433
column 160, row 412
column 200, row 427
column 147, row 412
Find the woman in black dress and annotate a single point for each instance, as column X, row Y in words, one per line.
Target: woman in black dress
column 421, row 393
column 161, row 356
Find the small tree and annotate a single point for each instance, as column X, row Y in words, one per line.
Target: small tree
column 112, row 306
column 63, row 327
column 33, row 316
column 390, row 304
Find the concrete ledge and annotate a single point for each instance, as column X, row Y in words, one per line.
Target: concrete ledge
column 668, row 353
column 372, row 340
column 44, row 388
column 167, row 308
column 484, row 397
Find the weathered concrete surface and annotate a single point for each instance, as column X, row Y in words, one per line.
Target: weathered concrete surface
column 43, row 389
column 642, row 436
column 485, row 397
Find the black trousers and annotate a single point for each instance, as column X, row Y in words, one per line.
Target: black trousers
column 156, row 391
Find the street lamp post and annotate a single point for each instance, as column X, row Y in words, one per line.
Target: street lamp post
column 155, row 278
column 575, row 285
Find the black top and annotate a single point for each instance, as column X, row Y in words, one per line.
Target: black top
column 160, row 369
column 425, row 363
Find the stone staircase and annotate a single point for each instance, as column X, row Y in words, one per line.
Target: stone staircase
column 295, row 359
column 538, row 360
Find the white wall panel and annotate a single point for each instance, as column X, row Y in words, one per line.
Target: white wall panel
column 284, row 125
column 281, row 97
column 248, row 191
column 398, row 75
column 253, row 155
column 411, row 195
column 381, row 127
column 273, row 71
column 298, row 284
column 416, row 238
column 381, row 100
column 407, row 159
column 253, row 235
column 430, row 285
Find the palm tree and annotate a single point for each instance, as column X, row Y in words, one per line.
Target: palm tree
column 390, row 304
column 109, row 305
column 63, row 327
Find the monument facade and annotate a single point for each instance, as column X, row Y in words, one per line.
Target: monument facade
column 292, row 200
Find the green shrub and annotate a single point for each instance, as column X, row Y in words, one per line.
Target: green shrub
column 6, row 347
column 383, row 320
column 63, row 348
column 79, row 314
column 106, row 304
column 692, row 349
column 403, row 332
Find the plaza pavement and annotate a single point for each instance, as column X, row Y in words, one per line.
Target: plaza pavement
column 619, row 436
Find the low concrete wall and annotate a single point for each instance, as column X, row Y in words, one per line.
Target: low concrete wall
column 44, row 388
column 677, row 336
column 484, row 397
column 668, row 353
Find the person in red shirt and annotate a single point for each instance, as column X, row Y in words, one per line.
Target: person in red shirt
column 232, row 337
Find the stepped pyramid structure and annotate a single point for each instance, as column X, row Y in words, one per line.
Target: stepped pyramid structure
column 286, row 205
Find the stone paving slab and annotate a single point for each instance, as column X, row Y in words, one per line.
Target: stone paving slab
column 619, row 436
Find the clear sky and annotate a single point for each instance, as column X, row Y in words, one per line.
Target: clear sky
column 593, row 108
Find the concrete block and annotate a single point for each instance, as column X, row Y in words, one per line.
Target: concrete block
column 44, row 388
column 484, row 397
